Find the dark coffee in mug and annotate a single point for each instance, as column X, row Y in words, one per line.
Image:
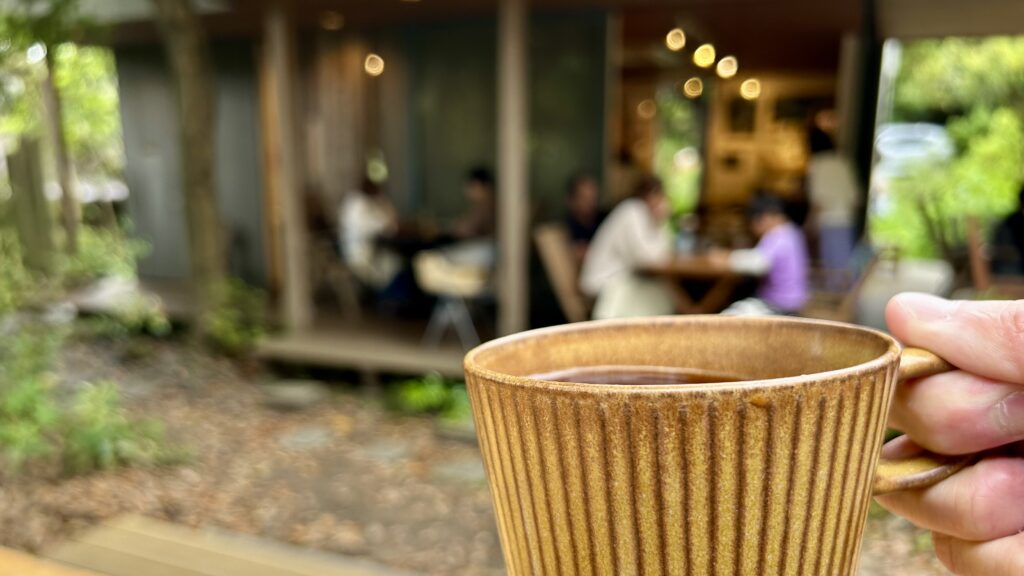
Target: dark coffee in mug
column 636, row 375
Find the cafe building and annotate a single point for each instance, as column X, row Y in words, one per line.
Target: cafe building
column 313, row 95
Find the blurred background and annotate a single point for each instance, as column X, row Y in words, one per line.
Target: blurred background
column 244, row 245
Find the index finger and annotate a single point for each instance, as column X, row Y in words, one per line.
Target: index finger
column 984, row 338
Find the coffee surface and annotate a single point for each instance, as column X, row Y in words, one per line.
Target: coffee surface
column 636, row 375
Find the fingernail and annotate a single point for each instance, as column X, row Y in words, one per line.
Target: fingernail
column 1009, row 416
column 926, row 308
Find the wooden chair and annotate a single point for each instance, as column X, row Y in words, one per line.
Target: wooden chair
column 563, row 272
column 986, row 285
column 840, row 306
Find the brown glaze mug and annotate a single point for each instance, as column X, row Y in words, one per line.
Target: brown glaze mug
column 769, row 473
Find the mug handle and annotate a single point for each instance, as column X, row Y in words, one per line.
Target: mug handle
column 926, row 468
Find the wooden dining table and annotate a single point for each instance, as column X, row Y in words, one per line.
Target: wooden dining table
column 683, row 271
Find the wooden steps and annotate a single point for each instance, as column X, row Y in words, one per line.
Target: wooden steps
column 18, row 563
column 139, row 546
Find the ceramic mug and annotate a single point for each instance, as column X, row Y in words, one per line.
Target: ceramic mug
column 772, row 474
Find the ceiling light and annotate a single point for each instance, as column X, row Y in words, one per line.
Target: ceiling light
column 693, row 88
column 332, row 21
column 727, row 67
column 374, row 65
column 750, row 89
column 704, row 55
column 675, row 40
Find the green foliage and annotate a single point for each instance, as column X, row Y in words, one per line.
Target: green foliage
column 237, row 318
column 954, row 76
column 432, row 394
column 84, row 77
column 27, row 411
column 95, row 433
column 98, row 434
column 15, row 280
column 680, row 129
column 929, row 205
column 140, row 316
column 102, row 252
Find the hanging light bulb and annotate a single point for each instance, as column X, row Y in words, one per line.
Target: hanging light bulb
column 675, row 40
column 704, row 55
column 693, row 88
column 727, row 67
column 750, row 89
column 374, row 65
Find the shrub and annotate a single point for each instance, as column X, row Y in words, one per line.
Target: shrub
column 237, row 317
column 93, row 433
column 432, row 394
column 28, row 413
column 142, row 315
column 15, row 280
column 103, row 252
column 99, row 435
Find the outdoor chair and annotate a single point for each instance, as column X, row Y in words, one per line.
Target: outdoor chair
column 454, row 284
column 329, row 268
column 563, row 272
column 985, row 284
column 826, row 303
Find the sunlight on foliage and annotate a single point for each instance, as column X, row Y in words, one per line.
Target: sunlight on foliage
column 98, row 434
column 432, row 394
column 237, row 318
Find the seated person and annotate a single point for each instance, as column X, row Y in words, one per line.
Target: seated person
column 367, row 215
column 583, row 214
column 780, row 254
column 634, row 234
column 1008, row 243
column 479, row 220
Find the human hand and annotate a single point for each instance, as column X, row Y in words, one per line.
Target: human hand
column 719, row 256
column 977, row 515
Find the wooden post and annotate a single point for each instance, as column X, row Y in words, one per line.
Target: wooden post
column 513, row 167
column 55, row 129
column 31, row 210
column 283, row 170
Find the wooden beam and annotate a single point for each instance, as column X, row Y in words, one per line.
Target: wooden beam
column 906, row 19
column 513, row 167
column 296, row 297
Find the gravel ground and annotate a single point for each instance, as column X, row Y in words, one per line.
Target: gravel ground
column 345, row 477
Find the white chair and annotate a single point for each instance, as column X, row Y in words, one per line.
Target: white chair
column 453, row 283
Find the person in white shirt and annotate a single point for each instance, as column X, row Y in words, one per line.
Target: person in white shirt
column 366, row 216
column 834, row 195
column 633, row 235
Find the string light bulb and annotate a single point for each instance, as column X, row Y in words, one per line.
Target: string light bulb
column 727, row 67
column 675, row 40
column 704, row 55
column 750, row 89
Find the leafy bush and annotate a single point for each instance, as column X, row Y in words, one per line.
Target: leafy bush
column 926, row 214
column 103, row 252
column 15, row 280
column 27, row 410
column 432, row 394
column 93, row 433
column 98, row 434
column 141, row 316
column 237, row 318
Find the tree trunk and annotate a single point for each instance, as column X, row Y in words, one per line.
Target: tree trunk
column 55, row 126
column 187, row 49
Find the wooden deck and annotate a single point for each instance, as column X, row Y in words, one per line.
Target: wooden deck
column 387, row 346
column 140, row 546
column 21, row 564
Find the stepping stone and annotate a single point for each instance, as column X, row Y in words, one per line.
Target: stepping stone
column 465, row 470
column 296, row 394
column 388, row 451
column 306, row 438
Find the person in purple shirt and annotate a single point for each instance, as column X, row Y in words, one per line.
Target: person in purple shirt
column 780, row 257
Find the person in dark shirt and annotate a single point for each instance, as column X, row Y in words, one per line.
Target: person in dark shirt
column 583, row 213
column 1008, row 243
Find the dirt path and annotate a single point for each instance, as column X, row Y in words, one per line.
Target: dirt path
column 345, row 477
